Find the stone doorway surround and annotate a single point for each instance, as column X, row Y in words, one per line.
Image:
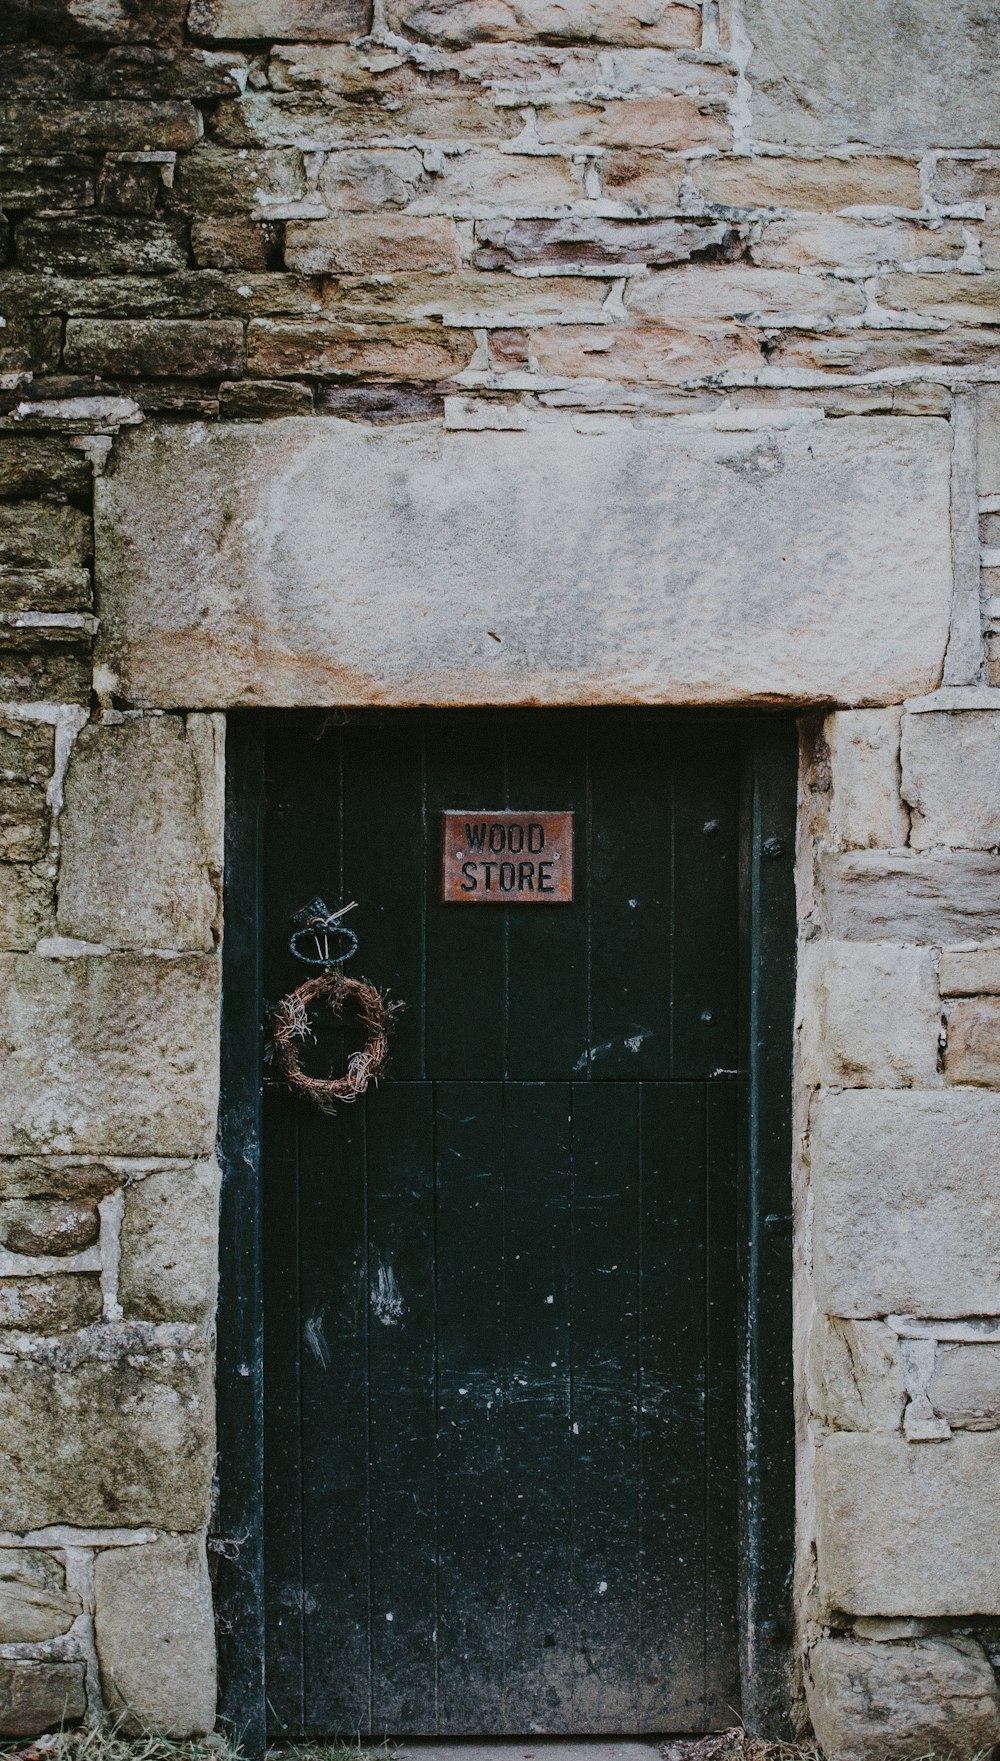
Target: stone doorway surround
column 648, row 360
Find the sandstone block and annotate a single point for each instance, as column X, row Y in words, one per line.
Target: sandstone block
column 370, row 244
column 284, row 612
column 24, row 822
column 263, row 119
column 27, row 906
column 961, row 181
column 885, row 1702
column 377, row 177
column 671, row 121
column 856, row 1378
column 42, row 534
column 45, row 590
column 907, row 1203
column 951, row 778
column 483, row 183
column 256, row 399
column 141, row 834
column 36, row 1697
column 954, row 298
column 970, row 972
column 103, row 1430
column 32, row 465
column 650, row 182
column 872, row 73
column 116, row 126
column 988, row 404
column 51, row 1178
column 45, row 664
column 398, row 351
column 32, row 1226
column 112, row 1054
column 233, row 243
column 169, row 1245
column 35, row 1604
column 756, row 296
column 306, row 21
column 874, row 896
column 100, row 245
column 870, row 1015
column 857, row 244
column 503, row 244
column 167, row 1683
column 217, row 180
column 972, row 1054
column 50, row 1304
column 160, row 348
column 622, row 22
column 904, row 1527
column 965, row 1385
column 804, row 185
column 64, row 181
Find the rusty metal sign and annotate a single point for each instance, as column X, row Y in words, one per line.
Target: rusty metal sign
column 506, row 858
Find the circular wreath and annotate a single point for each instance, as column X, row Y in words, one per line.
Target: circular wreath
column 290, row 1028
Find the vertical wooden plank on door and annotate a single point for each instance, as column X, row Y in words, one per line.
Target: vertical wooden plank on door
column 282, row 1415
column 672, row 1559
column 630, row 878
column 722, row 1686
column 538, row 1689
column 336, row 1509
column 384, row 870
column 402, row 1436
column 471, row 1397
column 466, row 944
column 547, row 947
column 605, row 1402
column 704, row 1025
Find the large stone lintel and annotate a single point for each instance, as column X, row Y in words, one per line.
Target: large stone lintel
column 305, row 562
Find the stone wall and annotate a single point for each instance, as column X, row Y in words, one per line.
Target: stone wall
column 714, row 286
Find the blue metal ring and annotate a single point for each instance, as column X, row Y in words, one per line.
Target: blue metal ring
column 317, row 932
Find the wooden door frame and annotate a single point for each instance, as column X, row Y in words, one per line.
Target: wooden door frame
column 769, row 766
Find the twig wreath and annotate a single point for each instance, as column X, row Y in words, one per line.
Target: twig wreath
column 290, row 1027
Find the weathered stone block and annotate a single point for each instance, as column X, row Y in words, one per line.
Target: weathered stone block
column 877, row 897
column 904, row 1527
column 907, row 78
column 27, row 751
column 368, row 244
column 116, row 126
column 765, row 297
column 50, row 1304
column 45, row 664
column 42, row 535
column 257, row 399
column 988, row 406
column 169, row 1245
column 95, row 244
column 965, row 1385
column 63, row 181
column 951, row 778
column 972, row 1054
column 112, row 1055
column 39, row 1696
column 51, row 1178
column 328, row 349
column 870, row 1015
column 233, row 243
column 856, row 1378
column 32, row 1226
column 141, row 834
column 884, row 1702
column 45, row 590
column 157, row 348
column 34, row 465
column 306, row 21
column 503, row 244
column 24, row 822
column 104, row 1430
column 970, row 972
column 27, row 906
column 660, row 26
column 805, row 185
column 161, row 1590
column 217, row 180
column 907, row 1203
column 644, row 596
column 35, row 1604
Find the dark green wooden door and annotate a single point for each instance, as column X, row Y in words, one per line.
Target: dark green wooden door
column 500, row 1291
